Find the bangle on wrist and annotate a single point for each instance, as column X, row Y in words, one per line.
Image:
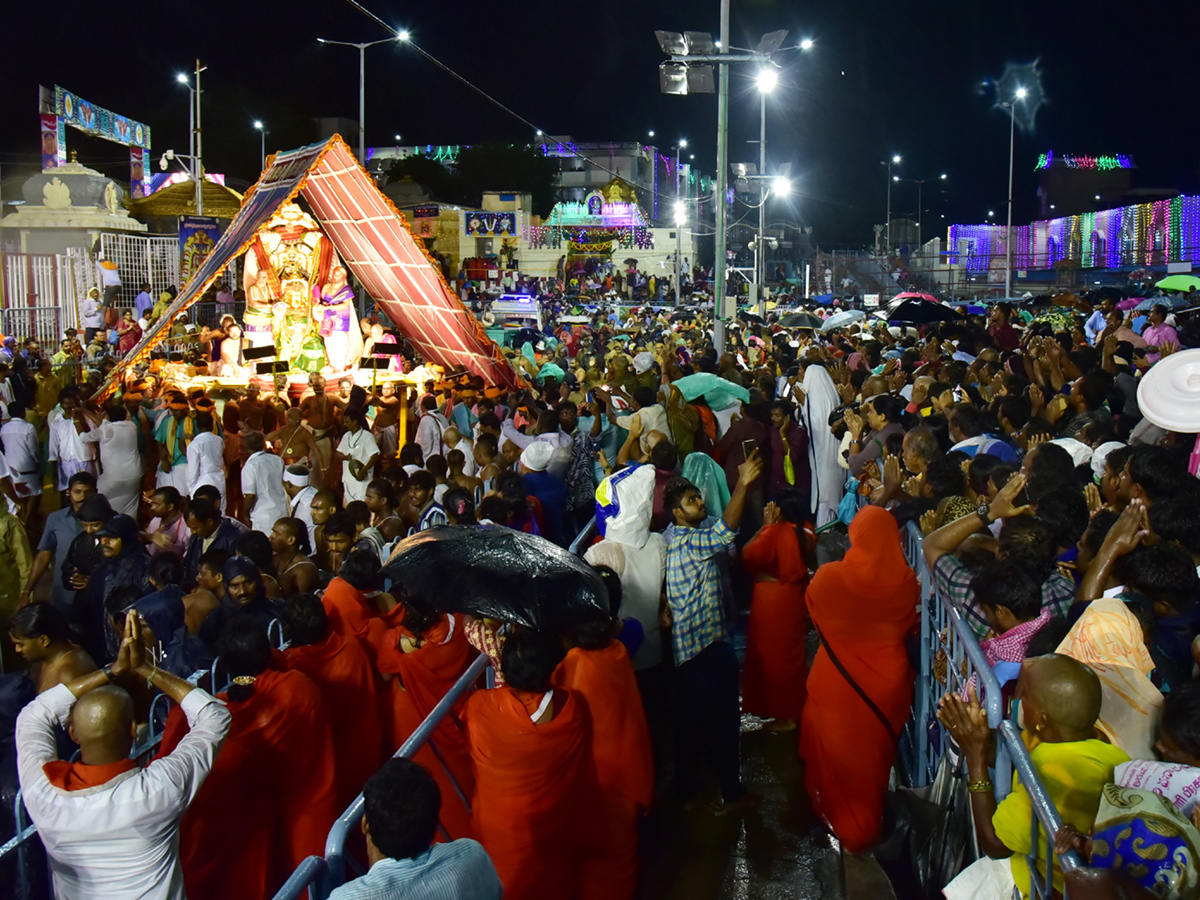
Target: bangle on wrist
column 980, row 787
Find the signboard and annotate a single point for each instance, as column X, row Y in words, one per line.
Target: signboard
column 426, row 212
column 870, row 301
column 198, row 235
column 490, row 224
column 60, row 108
column 1179, row 268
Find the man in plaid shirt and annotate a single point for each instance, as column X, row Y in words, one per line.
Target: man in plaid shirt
column 1024, row 539
column 705, row 665
column 581, row 477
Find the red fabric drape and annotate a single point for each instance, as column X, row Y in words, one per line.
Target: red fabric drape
column 341, row 668
column 270, row 798
column 532, row 793
column 424, row 677
column 863, row 606
column 350, row 613
column 776, row 667
column 623, row 762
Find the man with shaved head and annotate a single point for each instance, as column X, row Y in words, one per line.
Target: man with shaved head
column 110, row 828
column 1060, row 703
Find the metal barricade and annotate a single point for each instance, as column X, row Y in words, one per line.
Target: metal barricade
column 584, row 539
column 41, row 322
column 925, row 743
column 321, row 880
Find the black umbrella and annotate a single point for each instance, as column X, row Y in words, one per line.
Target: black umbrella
column 497, row 573
column 746, row 316
column 684, row 315
column 800, row 320
column 523, row 336
column 922, row 312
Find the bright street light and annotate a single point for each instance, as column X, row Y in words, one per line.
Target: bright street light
column 262, row 140
column 896, row 158
column 766, row 80
column 806, row 44
column 397, row 139
column 362, row 84
column 943, row 176
column 782, row 186
column 1021, row 92
column 651, row 133
column 683, row 142
column 181, row 78
column 402, row 36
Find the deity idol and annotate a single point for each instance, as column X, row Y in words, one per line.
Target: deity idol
column 333, row 312
column 289, row 260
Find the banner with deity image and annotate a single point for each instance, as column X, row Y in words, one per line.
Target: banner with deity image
column 198, row 236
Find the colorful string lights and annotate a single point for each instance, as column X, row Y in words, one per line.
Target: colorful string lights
column 1071, row 161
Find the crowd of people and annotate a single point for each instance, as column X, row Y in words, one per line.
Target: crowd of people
column 761, row 490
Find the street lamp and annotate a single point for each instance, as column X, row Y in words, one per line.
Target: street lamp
column 888, row 226
column 680, row 218
column 262, row 133
column 806, row 44
column 194, row 144
column 920, row 183
column 766, row 81
column 1012, row 137
column 362, row 84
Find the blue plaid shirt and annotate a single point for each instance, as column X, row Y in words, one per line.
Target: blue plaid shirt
column 694, row 588
column 952, row 580
column 460, row 870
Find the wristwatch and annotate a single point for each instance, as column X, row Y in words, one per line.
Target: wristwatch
column 108, row 672
column 983, row 513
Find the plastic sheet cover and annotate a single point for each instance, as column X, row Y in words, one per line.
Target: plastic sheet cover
column 497, row 573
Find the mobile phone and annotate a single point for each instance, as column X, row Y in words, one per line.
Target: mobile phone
column 748, row 447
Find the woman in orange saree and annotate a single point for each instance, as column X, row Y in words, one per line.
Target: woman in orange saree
column 861, row 685
column 776, row 664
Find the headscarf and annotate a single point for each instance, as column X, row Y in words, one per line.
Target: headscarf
column 827, row 481
column 244, row 567
column 709, row 478
column 1108, row 637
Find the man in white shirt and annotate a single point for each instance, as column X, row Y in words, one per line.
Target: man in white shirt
column 430, row 428
column 262, row 484
column 91, row 315
column 453, row 439
column 23, row 453
column 206, row 458
column 143, row 302
column 111, row 830
column 63, row 445
column 300, row 497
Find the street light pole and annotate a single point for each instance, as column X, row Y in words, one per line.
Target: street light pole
column 183, row 79
column 262, row 132
column 887, row 250
column 678, row 226
column 760, row 255
column 362, row 84
column 1012, row 138
column 197, row 161
column 722, row 181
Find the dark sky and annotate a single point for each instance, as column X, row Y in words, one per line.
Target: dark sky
column 882, row 78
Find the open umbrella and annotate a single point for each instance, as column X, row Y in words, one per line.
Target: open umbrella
column 1179, row 283
column 1170, row 301
column 800, row 320
column 921, row 312
column 911, row 295
column 1129, row 303
column 497, row 573
column 746, row 316
column 843, row 319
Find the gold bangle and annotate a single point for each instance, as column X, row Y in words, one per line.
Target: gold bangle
column 980, row 787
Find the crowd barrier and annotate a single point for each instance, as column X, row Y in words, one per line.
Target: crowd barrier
column 925, row 746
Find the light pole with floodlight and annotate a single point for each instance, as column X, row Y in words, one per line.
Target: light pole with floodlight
column 1012, row 138
column 194, row 128
column 362, row 84
column 262, row 134
column 680, row 218
column 766, row 80
column 895, row 160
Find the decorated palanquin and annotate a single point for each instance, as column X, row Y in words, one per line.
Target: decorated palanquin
column 297, row 297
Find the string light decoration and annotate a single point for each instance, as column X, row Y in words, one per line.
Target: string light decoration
column 1071, row 161
column 1139, row 235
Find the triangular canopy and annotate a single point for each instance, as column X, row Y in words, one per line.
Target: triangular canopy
column 375, row 244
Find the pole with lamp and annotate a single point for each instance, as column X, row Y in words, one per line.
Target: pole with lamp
column 895, row 160
column 362, row 84
column 766, row 80
column 262, row 134
column 199, row 156
column 1012, row 137
column 920, row 183
column 680, row 211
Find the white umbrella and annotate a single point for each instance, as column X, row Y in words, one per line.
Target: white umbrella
column 842, row 319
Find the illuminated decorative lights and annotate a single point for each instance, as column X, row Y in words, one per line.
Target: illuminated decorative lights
column 1071, row 161
column 1144, row 234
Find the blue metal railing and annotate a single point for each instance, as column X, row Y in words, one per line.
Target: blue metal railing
column 319, row 876
column 925, row 742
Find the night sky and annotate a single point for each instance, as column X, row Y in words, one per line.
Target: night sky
column 882, row 78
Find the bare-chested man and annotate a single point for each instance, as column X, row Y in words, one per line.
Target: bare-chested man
column 251, row 409
column 42, row 636
column 294, row 443
column 386, row 423
column 320, row 410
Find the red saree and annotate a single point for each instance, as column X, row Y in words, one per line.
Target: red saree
column 350, row 613
column 269, row 800
column 624, row 764
column 863, row 606
column 532, row 791
column 424, row 677
column 340, row 667
column 776, row 666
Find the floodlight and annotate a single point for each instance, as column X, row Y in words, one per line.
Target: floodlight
column 782, row 187
column 806, row 44
column 699, row 43
column 181, row 78
column 766, row 79
column 771, row 41
column 700, row 79
column 402, row 36
column 671, row 43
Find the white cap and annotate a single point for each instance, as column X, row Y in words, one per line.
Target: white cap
column 642, row 362
column 536, row 457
